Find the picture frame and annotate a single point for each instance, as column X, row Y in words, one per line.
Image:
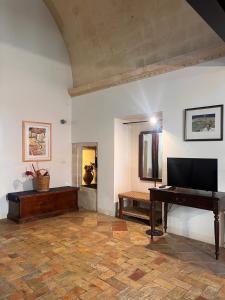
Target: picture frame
column 203, row 123
column 36, row 141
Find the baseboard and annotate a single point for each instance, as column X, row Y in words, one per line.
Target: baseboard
column 193, row 235
column 3, row 217
column 106, row 212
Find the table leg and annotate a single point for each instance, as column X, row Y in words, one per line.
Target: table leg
column 152, row 210
column 216, row 231
column 121, row 208
column 165, row 215
column 135, row 204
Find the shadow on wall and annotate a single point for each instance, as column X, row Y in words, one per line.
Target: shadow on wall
column 27, row 24
column 23, row 185
column 4, row 207
column 18, row 185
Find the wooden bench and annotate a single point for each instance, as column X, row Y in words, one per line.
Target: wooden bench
column 134, row 211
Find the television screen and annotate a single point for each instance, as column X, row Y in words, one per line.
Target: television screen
column 193, row 173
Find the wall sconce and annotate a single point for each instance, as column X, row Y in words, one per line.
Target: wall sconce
column 153, row 120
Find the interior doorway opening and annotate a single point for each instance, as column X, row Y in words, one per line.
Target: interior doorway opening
column 84, row 173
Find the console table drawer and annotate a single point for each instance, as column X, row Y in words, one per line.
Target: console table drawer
column 198, row 202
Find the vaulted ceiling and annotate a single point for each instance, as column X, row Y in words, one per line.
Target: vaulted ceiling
column 113, row 41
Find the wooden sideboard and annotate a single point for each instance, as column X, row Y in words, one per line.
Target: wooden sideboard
column 29, row 205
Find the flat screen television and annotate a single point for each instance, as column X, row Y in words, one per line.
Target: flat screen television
column 193, row 173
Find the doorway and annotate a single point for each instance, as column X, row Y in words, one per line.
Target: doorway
column 84, row 173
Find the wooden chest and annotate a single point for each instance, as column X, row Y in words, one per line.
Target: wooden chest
column 30, row 205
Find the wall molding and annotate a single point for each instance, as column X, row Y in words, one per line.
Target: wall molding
column 169, row 65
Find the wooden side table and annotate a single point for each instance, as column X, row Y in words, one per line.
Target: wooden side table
column 134, row 211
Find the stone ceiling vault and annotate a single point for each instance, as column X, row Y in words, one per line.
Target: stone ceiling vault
column 114, row 41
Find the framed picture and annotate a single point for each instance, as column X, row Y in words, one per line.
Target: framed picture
column 36, row 141
column 204, row 123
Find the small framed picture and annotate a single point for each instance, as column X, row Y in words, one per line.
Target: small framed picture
column 203, row 123
column 36, row 141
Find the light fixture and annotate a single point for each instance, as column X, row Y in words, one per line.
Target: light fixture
column 153, row 120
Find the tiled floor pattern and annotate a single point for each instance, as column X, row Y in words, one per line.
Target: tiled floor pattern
column 191, row 251
column 92, row 256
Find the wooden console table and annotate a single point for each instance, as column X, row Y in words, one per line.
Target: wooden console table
column 30, row 205
column 214, row 202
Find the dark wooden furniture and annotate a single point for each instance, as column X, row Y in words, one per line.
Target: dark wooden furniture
column 214, row 202
column 30, row 205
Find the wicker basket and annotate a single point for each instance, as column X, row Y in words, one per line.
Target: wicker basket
column 42, row 183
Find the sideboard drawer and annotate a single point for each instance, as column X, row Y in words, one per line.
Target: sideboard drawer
column 30, row 206
column 65, row 201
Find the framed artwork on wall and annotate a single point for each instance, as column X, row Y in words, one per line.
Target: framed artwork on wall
column 203, row 123
column 36, row 141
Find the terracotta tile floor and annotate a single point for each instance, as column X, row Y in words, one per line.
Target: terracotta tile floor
column 92, row 256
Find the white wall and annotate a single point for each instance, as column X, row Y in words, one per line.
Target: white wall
column 126, row 157
column 34, row 77
column 122, row 158
column 93, row 120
